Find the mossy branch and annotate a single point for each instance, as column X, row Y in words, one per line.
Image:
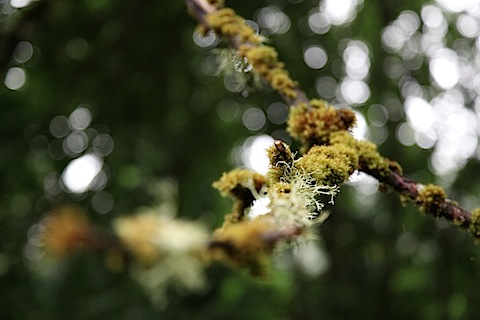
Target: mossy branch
column 313, row 122
column 264, row 59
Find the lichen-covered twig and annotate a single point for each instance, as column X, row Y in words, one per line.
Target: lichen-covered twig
column 249, row 45
column 315, row 123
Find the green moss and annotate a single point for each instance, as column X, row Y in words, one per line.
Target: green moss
column 280, row 157
column 369, row 160
column 264, row 60
column 329, row 165
column 430, row 199
column 244, row 244
column 313, row 124
column 227, row 23
column 281, row 188
column 242, row 185
column 474, row 227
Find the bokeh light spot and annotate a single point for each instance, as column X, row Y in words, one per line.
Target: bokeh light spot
column 102, row 202
column 467, row 26
column 444, row 68
column 254, row 155
column 81, row 118
column 277, row 112
column 77, row 48
column 59, row 127
column 318, row 22
column 23, row 52
column 254, row 119
column 420, row 114
column 228, row 110
column 80, row 173
column 315, row 57
column 15, row 78
column 75, row 143
column 19, row 3
column 339, row 11
column 103, row 144
column 354, row 91
column 206, row 41
column 326, row 87
column 272, row 20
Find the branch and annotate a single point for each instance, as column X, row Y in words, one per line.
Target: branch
column 445, row 208
column 225, row 23
column 314, row 124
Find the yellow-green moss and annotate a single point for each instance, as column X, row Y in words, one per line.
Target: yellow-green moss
column 430, row 199
column 329, row 165
column 369, row 160
column 474, row 227
column 281, row 188
column 264, row 60
column 244, row 244
column 227, row 23
column 313, row 125
column 279, row 161
column 242, row 185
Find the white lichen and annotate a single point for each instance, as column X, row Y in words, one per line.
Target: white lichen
column 300, row 204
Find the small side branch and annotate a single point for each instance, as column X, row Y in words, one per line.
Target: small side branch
column 249, row 45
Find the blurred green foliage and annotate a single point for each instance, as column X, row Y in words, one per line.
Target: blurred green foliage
column 149, row 87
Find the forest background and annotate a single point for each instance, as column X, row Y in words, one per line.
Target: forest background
column 130, row 96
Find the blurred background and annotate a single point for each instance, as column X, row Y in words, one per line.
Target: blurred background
column 119, row 105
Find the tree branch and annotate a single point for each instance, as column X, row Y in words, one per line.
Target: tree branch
column 248, row 44
column 430, row 199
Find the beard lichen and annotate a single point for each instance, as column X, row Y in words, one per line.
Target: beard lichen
column 282, row 209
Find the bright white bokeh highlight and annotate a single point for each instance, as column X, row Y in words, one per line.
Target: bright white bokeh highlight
column 315, row 57
column 272, row 20
column 444, row 68
column 80, row 173
column 354, row 92
column 19, row 3
column 339, row 11
column 441, row 115
column 254, row 153
column 360, row 131
column 15, row 78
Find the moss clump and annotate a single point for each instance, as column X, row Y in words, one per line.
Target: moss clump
column 227, row 23
column 242, row 185
column 280, row 157
column 474, row 227
column 431, row 199
column 264, row 60
column 282, row 189
column 313, row 124
column 329, row 165
column 244, row 244
column 369, row 160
